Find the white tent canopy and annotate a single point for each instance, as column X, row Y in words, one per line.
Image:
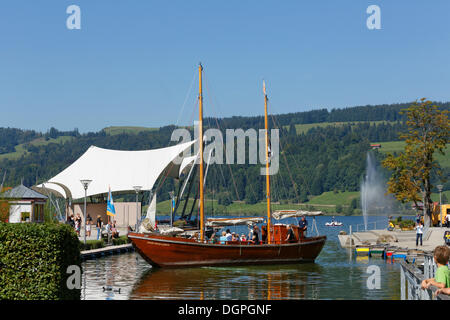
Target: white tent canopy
column 115, row 169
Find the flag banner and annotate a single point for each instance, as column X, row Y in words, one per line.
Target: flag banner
column 110, row 209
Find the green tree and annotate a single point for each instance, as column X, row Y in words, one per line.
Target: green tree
column 428, row 132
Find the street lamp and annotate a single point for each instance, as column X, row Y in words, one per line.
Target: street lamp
column 85, row 183
column 440, row 186
column 137, row 189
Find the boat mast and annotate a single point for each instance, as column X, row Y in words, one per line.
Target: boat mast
column 200, row 142
column 267, row 164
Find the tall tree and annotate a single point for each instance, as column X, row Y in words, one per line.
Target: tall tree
column 428, row 132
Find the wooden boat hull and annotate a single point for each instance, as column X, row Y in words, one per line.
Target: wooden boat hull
column 161, row 251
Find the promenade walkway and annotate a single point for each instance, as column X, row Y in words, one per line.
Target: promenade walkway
column 403, row 239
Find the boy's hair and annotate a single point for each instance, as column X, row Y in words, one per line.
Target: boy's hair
column 442, row 254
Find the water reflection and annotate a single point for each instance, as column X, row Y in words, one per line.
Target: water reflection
column 337, row 274
column 272, row 282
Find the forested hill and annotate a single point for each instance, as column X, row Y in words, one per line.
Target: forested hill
column 321, row 151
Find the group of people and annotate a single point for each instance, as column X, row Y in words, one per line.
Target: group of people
column 76, row 222
column 227, row 235
column 254, row 236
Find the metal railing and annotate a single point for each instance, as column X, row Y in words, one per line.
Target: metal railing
column 380, row 224
column 411, row 279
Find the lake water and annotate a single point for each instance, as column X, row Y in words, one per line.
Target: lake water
column 336, row 274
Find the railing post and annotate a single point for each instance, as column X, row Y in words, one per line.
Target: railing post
column 402, row 283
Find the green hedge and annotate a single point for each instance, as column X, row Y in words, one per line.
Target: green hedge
column 34, row 259
column 92, row 244
column 121, row 240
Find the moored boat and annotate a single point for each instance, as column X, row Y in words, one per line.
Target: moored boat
column 272, row 247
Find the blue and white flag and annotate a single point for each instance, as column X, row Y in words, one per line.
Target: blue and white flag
column 110, row 209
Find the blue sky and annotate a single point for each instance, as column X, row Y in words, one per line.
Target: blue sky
column 134, row 63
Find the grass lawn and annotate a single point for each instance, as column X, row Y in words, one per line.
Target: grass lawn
column 133, row 130
column 331, row 198
column 397, row 146
column 21, row 149
column 303, row 128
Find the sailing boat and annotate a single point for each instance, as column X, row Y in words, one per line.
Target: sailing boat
column 175, row 251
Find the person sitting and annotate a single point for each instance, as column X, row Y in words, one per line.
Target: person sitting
column 229, row 235
column 442, row 277
column 391, row 226
column 234, row 237
column 114, row 231
column 290, row 234
column 213, row 239
column 255, row 235
column 223, row 238
column 243, row 238
column 447, row 237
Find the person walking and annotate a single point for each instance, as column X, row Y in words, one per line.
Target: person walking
column 419, row 233
column 99, row 226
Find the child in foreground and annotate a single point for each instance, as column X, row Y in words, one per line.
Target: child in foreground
column 442, row 278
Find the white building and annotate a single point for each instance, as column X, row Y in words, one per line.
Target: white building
column 26, row 205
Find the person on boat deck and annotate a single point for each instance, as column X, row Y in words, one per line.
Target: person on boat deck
column 234, row 237
column 229, row 235
column 255, row 235
column 290, row 234
column 213, row 239
column 303, row 225
column 223, row 238
column 243, row 238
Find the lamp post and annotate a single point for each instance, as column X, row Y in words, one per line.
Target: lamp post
column 137, row 189
column 85, row 183
column 440, row 186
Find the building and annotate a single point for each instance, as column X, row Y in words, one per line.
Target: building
column 25, row 205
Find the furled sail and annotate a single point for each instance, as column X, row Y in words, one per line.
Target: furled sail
column 282, row 214
column 148, row 224
column 221, row 222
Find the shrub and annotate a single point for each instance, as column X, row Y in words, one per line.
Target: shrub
column 120, row 240
column 407, row 223
column 92, row 244
column 34, row 259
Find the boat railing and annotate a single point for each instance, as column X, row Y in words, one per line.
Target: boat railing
column 411, row 278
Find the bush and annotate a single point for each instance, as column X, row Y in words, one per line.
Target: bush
column 120, row 240
column 92, row 244
column 34, row 259
column 407, row 223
